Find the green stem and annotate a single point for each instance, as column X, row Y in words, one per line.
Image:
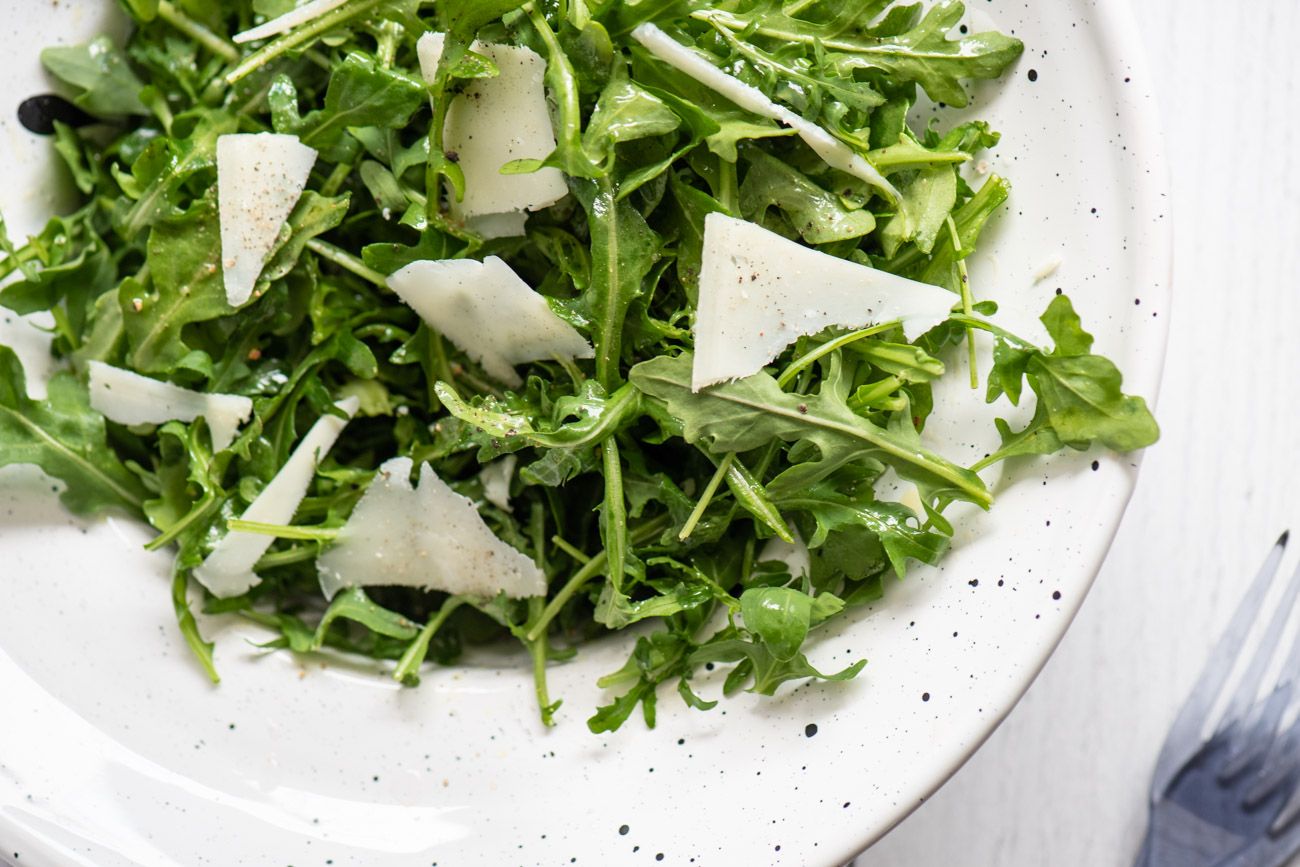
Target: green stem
column 199, row 512
column 878, row 391
column 196, row 31
column 64, row 327
column 413, row 658
column 563, row 82
column 299, row 36
column 188, row 625
column 284, row 531
column 728, row 185
column 336, row 179
column 389, row 34
column 347, row 261
column 564, row 545
column 967, row 301
column 712, row 488
column 615, row 513
column 799, row 364
column 288, row 557
column 540, row 650
column 589, row 570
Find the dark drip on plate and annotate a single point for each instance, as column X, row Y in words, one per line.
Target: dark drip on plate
column 39, row 113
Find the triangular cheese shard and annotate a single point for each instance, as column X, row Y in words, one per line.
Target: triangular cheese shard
column 128, row 398
column 260, row 178
column 429, row 537
column 489, row 312
column 228, row 570
column 759, row 292
column 494, row 121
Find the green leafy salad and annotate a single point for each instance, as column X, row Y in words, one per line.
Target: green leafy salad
column 411, row 325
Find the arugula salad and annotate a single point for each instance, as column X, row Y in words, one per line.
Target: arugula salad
column 412, row 325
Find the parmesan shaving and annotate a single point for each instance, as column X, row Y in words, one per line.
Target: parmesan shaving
column 288, row 21
column 260, row 178
column 228, row 570
column 430, row 537
column 495, row 121
column 759, row 292
column 836, row 154
column 495, row 479
column 487, row 311
column 129, row 398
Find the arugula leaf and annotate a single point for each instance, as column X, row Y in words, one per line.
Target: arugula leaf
column 361, row 93
column 846, row 499
column 108, row 85
column 751, row 412
column 923, row 53
column 767, row 670
column 1082, row 392
column 814, row 213
column 623, row 250
column 186, row 286
column 159, row 174
column 64, row 437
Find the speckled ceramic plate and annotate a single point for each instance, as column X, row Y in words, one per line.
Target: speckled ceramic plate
column 115, row 751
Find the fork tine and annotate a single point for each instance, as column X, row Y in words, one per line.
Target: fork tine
column 1255, row 737
column 1266, row 716
column 1279, row 767
column 1243, row 697
column 1184, row 736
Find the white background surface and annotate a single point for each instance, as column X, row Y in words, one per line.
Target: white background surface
column 1063, row 782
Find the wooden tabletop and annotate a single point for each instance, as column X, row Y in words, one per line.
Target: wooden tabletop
column 1064, row 781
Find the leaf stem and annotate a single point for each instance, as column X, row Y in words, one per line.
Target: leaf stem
column 347, row 261
column 336, row 179
column 298, row 36
column 284, row 531
column 196, row 31
column 188, row 625
column 967, row 301
column 565, row 546
column 614, row 511
column 788, row 375
column 705, row 498
column 413, row 658
column 198, row 512
column 589, row 570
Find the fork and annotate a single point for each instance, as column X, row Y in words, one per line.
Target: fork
column 1231, row 800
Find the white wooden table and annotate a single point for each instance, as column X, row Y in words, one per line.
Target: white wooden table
column 1064, row 781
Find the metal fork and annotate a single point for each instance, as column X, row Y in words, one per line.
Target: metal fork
column 1231, row 800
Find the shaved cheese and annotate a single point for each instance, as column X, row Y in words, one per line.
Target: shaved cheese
column 228, row 571
column 129, row 398
column 430, row 537
column 289, row 20
column 495, row 479
column 491, row 314
column 495, row 121
column 260, row 178
column 836, row 154
column 759, row 292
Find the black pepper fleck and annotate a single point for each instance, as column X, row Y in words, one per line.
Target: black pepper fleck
column 1033, row 75
column 810, row 730
column 925, row 696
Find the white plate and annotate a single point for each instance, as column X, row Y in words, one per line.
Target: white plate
column 114, row 750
